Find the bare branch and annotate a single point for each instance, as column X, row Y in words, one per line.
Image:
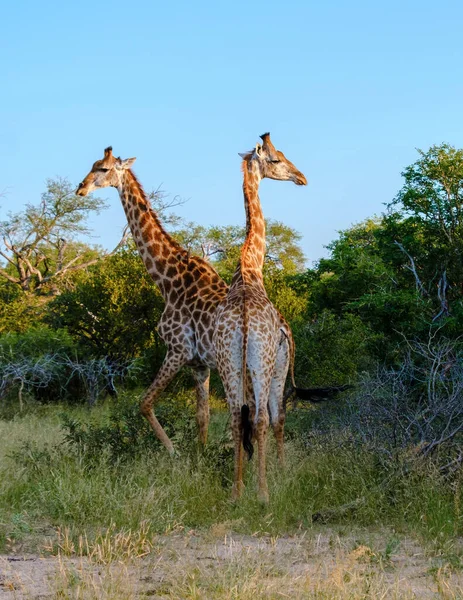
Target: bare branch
column 442, row 287
column 412, row 268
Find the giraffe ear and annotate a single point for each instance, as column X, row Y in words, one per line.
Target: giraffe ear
column 258, row 149
column 127, row 163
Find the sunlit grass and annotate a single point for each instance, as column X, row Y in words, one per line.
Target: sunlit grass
column 46, row 484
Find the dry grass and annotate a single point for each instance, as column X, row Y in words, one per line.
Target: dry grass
column 188, row 566
column 105, row 547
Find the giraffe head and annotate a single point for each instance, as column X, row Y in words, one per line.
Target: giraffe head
column 105, row 172
column 272, row 163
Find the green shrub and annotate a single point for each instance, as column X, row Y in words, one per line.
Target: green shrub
column 35, row 343
column 331, row 350
column 126, row 433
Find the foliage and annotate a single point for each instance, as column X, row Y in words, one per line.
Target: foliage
column 36, row 342
column 425, row 221
column 286, row 299
column 19, row 311
column 222, row 245
column 38, row 244
column 112, row 311
column 331, row 350
column 381, row 271
column 126, row 433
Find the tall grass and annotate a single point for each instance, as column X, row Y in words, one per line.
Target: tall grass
column 47, row 484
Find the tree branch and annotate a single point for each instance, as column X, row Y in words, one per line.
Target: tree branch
column 412, row 268
column 9, row 277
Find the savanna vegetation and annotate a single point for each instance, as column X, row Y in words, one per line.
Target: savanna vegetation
column 78, row 344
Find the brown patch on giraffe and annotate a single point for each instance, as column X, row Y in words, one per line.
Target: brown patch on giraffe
column 144, row 219
column 160, row 266
column 173, row 296
column 188, row 279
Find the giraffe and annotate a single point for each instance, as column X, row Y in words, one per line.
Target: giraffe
column 189, row 285
column 192, row 290
column 249, row 333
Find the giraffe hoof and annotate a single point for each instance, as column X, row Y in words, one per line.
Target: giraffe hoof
column 263, row 497
column 173, row 452
column 202, row 445
column 237, row 491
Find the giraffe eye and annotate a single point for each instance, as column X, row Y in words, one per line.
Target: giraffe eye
column 275, row 161
column 103, row 170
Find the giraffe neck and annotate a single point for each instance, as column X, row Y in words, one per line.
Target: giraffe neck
column 162, row 255
column 253, row 250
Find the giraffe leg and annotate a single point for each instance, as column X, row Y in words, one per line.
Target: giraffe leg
column 237, row 428
column 261, row 363
column 275, row 403
column 262, row 427
column 169, row 368
column 278, row 431
column 201, row 377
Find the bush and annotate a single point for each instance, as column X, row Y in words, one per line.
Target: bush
column 331, row 350
column 46, row 365
column 416, row 408
column 126, row 433
column 34, row 363
column 35, row 343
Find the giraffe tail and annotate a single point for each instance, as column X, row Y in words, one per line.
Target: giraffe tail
column 247, row 431
column 246, row 424
column 319, row 394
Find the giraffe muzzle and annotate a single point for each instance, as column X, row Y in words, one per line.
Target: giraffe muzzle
column 80, row 189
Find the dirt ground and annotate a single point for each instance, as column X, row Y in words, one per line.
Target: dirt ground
column 216, row 564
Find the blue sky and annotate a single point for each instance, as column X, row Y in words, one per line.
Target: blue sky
column 348, row 90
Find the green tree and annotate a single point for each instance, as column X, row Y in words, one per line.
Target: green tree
column 332, row 350
column 113, row 309
column 424, row 226
column 18, row 311
column 39, row 244
column 359, row 279
column 222, row 246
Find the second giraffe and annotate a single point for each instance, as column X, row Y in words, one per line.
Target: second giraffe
column 248, row 333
